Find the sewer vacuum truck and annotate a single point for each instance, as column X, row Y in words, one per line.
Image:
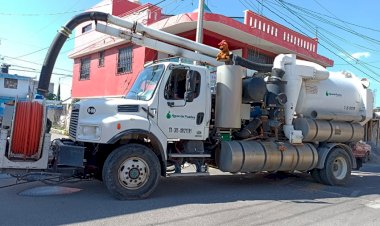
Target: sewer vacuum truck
column 291, row 116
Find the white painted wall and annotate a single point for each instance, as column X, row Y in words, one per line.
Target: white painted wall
column 21, row 91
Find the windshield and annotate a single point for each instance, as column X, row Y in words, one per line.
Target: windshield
column 146, row 83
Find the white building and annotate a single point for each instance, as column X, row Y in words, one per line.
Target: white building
column 12, row 86
column 16, row 86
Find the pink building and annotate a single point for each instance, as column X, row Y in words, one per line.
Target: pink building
column 108, row 66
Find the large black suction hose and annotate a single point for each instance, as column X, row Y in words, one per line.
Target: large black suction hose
column 59, row 40
column 237, row 60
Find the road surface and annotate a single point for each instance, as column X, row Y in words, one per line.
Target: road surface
column 261, row 199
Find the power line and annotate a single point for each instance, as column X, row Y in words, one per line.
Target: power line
column 372, row 62
column 86, row 45
column 50, row 14
column 365, row 65
column 45, row 48
column 308, row 23
column 14, row 65
column 293, row 13
column 31, row 62
column 316, row 16
column 320, row 5
column 326, row 31
column 54, row 20
column 37, row 51
column 333, row 45
column 34, row 71
column 257, row 9
column 335, row 18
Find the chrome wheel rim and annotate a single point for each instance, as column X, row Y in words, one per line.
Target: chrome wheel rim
column 340, row 168
column 133, row 173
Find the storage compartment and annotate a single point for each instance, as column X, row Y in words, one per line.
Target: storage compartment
column 69, row 154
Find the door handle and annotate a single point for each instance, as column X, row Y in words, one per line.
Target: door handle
column 171, row 104
column 200, row 117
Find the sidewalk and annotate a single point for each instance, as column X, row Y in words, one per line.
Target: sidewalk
column 55, row 134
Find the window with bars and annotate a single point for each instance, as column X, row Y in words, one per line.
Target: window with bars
column 84, row 69
column 124, row 61
column 10, row 83
column 255, row 56
column 101, row 59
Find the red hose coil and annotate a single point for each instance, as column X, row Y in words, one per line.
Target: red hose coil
column 27, row 129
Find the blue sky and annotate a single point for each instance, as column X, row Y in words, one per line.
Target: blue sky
column 30, row 25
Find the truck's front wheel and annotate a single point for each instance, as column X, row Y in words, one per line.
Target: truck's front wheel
column 337, row 168
column 131, row 171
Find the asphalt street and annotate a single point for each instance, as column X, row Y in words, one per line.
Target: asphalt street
column 220, row 199
column 254, row 199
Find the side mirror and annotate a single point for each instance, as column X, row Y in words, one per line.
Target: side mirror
column 190, row 86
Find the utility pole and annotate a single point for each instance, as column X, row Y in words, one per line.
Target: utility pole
column 199, row 34
column 59, row 89
column 1, row 58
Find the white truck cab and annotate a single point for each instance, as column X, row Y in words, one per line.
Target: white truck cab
column 170, row 100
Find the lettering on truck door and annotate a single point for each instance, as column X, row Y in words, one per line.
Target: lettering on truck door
column 177, row 118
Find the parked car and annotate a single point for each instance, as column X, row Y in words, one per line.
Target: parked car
column 362, row 152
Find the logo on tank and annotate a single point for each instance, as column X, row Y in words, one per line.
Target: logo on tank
column 333, row 94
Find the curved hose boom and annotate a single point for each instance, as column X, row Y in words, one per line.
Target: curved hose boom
column 56, row 46
column 140, row 35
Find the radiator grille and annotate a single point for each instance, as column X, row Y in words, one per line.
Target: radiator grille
column 127, row 108
column 74, row 122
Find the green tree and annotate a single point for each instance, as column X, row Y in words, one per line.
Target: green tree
column 51, row 96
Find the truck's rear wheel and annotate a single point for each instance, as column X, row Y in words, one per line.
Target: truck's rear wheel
column 337, row 168
column 131, row 171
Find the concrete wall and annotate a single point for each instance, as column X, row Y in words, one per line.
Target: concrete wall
column 21, row 91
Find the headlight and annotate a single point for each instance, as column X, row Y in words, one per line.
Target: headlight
column 89, row 132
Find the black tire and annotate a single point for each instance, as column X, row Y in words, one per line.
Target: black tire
column 316, row 175
column 131, row 171
column 337, row 168
column 366, row 158
column 359, row 163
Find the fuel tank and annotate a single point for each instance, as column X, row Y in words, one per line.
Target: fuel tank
column 256, row 156
column 329, row 131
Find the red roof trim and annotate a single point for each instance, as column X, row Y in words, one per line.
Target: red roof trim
column 278, row 40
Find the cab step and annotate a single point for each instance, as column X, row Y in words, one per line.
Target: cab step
column 188, row 174
column 189, row 155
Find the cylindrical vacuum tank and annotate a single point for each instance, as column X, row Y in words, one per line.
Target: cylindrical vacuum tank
column 329, row 131
column 338, row 98
column 256, row 156
column 228, row 96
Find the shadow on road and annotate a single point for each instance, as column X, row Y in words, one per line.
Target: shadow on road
column 94, row 202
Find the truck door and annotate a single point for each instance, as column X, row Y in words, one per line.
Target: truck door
column 177, row 118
